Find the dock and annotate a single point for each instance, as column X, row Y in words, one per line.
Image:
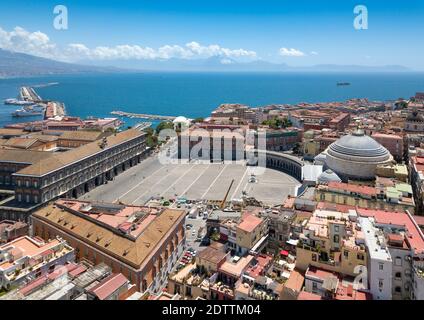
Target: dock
column 52, row 109
column 143, row 116
column 142, row 126
column 29, row 94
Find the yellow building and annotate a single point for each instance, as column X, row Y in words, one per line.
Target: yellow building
column 398, row 171
column 331, row 241
column 397, row 198
column 249, row 232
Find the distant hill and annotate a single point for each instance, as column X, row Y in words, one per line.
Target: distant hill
column 13, row 64
column 224, row 64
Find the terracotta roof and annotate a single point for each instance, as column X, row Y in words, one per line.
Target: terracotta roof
column 353, row 188
column 319, row 273
column 249, row 222
column 415, row 237
column 59, row 160
column 109, row 285
column 23, row 156
column 83, row 135
column 212, row 254
column 11, row 132
column 419, row 220
column 295, row 281
column 308, row 296
column 23, row 143
column 113, row 243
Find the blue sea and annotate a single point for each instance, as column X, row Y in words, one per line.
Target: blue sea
column 197, row 94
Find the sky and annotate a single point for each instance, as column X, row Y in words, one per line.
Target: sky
column 299, row 33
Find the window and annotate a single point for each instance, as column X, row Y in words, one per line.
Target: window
column 381, row 266
column 346, row 254
column 398, row 261
column 398, row 290
column 380, row 284
column 314, row 287
column 336, row 238
column 314, row 257
column 398, row 275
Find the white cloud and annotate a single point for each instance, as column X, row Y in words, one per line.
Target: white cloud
column 39, row 44
column 226, row 61
column 286, row 52
column 22, row 40
column 314, row 53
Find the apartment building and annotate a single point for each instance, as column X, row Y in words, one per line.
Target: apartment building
column 331, row 241
column 396, row 254
column 416, row 172
column 251, row 233
column 393, row 143
column 398, row 197
column 27, row 258
column 142, row 243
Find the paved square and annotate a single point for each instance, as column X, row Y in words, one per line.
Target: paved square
column 195, row 181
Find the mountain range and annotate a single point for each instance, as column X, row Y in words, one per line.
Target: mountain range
column 13, row 64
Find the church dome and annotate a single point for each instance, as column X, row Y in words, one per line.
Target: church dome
column 358, row 145
column 356, row 156
column 328, row 176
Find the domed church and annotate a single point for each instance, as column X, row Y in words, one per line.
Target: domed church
column 356, row 156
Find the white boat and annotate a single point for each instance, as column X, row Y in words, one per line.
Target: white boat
column 31, row 111
column 18, row 102
column 24, row 113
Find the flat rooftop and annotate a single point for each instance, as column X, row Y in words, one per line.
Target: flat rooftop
column 129, row 219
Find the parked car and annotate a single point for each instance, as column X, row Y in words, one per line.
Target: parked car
column 205, row 242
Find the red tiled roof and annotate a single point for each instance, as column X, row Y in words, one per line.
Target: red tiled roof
column 353, row 188
column 109, row 285
column 419, row 220
column 418, row 160
column 249, row 222
column 344, row 208
column 415, row 237
column 33, row 285
column 77, row 271
column 319, row 273
column 308, row 296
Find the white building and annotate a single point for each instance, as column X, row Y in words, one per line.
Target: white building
column 379, row 261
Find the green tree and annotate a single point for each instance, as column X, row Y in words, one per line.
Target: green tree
column 197, row 120
column 164, row 125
